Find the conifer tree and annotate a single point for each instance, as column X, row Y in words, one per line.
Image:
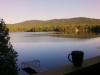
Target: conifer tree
column 8, row 57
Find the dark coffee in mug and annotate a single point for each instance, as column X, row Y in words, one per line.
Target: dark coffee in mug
column 77, row 57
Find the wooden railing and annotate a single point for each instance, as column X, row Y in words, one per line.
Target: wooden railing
column 91, row 65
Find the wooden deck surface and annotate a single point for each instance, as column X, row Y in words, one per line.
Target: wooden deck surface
column 33, row 65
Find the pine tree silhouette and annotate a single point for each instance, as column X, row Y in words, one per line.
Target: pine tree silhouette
column 8, row 57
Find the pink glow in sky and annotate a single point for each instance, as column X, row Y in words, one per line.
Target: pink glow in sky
column 14, row 11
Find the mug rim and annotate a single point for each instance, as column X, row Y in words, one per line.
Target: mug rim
column 77, row 51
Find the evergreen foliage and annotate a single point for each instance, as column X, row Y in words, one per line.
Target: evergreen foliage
column 8, row 57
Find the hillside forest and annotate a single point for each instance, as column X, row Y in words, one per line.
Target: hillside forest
column 61, row 25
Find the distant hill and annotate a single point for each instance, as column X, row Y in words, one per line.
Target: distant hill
column 71, row 24
column 30, row 22
column 77, row 20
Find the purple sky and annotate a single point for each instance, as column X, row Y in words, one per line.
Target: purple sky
column 14, row 11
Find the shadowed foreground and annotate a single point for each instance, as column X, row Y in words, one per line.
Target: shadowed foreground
column 90, row 66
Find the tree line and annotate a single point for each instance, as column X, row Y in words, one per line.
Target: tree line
column 63, row 25
column 47, row 28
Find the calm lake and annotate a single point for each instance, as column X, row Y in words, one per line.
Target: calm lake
column 52, row 48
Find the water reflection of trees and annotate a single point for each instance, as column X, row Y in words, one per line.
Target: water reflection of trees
column 8, row 57
column 71, row 34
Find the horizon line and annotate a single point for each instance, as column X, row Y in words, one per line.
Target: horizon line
column 52, row 19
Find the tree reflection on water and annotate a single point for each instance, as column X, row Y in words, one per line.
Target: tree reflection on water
column 8, row 57
column 70, row 34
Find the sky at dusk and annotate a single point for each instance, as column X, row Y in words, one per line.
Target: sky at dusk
column 14, row 11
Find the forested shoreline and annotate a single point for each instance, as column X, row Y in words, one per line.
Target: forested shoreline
column 61, row 28
column 62, row 25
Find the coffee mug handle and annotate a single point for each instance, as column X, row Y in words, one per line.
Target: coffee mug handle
column 69, row 57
